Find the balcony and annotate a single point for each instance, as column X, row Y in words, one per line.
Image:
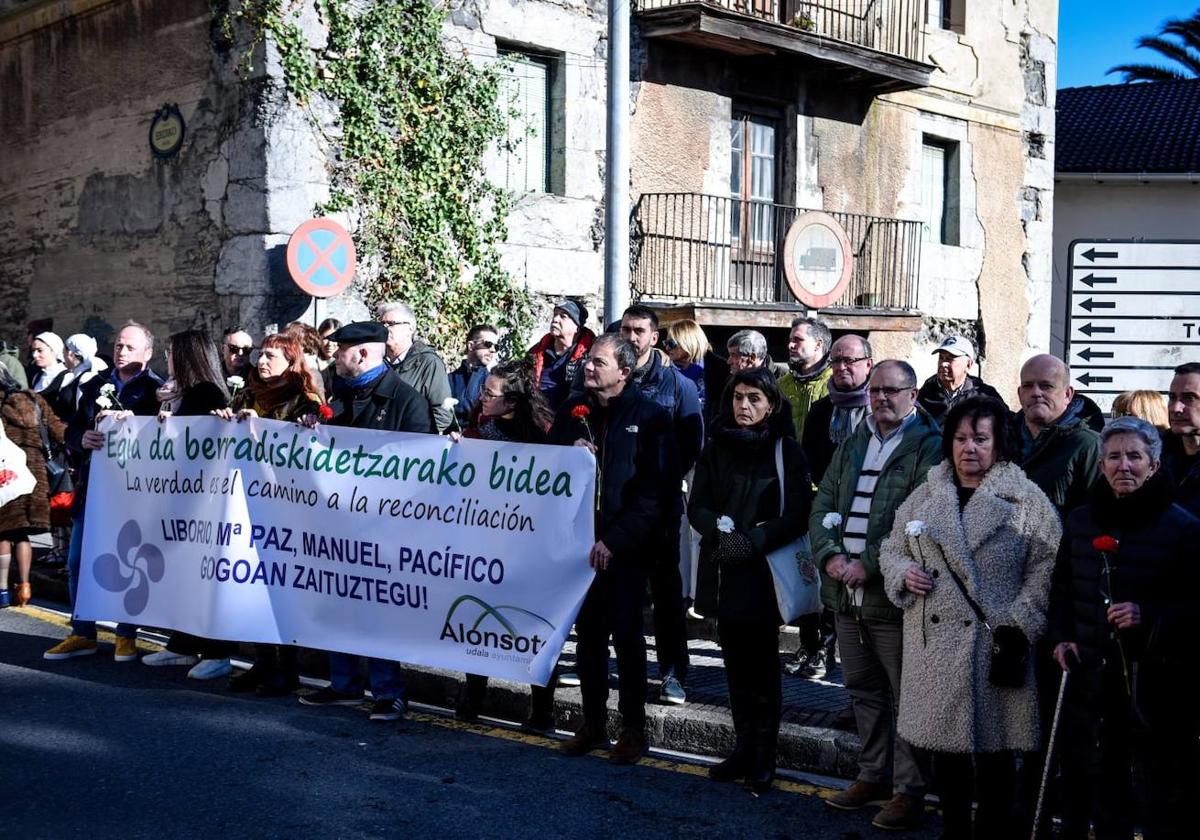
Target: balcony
column 717, row 253
column 878, row 45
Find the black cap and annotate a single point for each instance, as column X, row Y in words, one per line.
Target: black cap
column 360, row 332
column 574, row 310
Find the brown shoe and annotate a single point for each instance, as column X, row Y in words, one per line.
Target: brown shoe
column 902, row 813
column 583, row 741
column 629, row 749
column 860, row 795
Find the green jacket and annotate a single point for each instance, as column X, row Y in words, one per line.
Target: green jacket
column 9, row 358
column 920, row 448
column 1064, row 461
column 803, row 394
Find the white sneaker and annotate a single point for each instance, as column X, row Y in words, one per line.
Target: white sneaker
column 211, row 669
column 165, row 657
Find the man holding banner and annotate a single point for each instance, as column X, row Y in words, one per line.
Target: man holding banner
column 367, row 394
column 638, row 479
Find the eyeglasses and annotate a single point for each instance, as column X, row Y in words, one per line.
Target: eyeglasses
column 885, row 391
column 670, row 344
column 486, row 396
column 395, row 323
column 485, row 345
column 847, row 361
column 238, row 351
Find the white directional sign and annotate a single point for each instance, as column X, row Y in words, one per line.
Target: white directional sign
column 1133, row 314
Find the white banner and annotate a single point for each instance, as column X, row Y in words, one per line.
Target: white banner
column 470, row 556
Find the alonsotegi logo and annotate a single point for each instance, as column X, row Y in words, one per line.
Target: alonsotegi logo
column 507, row 639
column 131, row 569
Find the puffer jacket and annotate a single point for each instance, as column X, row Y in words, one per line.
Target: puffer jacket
column 1154, row 567
column 423, row 369
column 736, row 477
column 1002, row 546
column 920, row 448
column 1064, row 460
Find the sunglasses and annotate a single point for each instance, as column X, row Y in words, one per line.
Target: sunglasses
column 670, row 344
column 485, row 345
column 238, row 351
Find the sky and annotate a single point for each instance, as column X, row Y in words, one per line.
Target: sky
column 1093, row 35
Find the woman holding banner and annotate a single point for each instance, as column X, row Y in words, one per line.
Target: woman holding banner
column 510, row 409
column 195, row 387
column 737, row 510
column 280, row 387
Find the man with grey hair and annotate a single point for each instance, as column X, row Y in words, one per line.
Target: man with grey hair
column 418, row 364
column 872, row 473
column 833, row 418
column 747, row 349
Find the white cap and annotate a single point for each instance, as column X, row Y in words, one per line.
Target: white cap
column 956, row 345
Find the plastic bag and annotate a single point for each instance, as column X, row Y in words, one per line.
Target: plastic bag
column 15, row 478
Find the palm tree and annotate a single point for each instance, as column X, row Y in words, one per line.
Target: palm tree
column 1184, row 51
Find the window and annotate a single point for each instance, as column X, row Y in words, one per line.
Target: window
column 752, row 180
column 523, row 162
column 939, row 190
column 946, row 14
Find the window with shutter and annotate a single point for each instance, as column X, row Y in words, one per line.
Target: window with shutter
column 522, row 163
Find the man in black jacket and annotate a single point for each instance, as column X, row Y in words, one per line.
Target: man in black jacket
column 367, row 394
column 952, row 383
column 637, row 482
column 1181, row 447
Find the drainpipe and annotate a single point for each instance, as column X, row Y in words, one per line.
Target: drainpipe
column 616, row 169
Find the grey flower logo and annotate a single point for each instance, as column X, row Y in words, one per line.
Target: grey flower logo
column 131, row 569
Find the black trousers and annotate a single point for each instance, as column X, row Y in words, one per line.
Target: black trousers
column 751, row 653
column 989, row 778
column 186, row 643
column 613, row 609
column 542, row 698
column 276, row 661
column 670, row 622
column 815, row 630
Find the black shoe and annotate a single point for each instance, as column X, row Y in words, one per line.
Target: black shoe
column 278, row 685
column 538, row 725
column 248, row 680
column 392, row 709
column 467, row 713
column 801, row 664
column 328, row 697
column 729, row 770
column 760, row 782
column 817, row 666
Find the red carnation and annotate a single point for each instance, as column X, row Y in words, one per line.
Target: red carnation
column 6, row 476
column 62, row 501
column 325, row 412
column 580, row 412
column 1106, row 544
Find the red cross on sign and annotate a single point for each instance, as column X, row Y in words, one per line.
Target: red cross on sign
column 320, row 258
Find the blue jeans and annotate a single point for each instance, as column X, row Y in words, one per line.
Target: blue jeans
column 383, row 675
column 87, row 629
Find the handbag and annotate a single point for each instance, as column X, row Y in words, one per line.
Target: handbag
column 58, row 474
column 797, row 579
column 1009, row 664
column 15, row 478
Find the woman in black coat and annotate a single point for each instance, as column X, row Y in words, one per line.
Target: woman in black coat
column 195, row 387
column 735, row 507
column 1123, row 612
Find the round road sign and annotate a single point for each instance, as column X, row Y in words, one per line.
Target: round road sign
column 321, row 258
column 817, row 260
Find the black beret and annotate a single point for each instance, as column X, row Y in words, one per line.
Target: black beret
column 360, row 332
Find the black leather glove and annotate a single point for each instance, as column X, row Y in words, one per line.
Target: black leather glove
column 733, row 548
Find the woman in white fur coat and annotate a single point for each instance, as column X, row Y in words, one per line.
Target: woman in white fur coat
column 977, row 516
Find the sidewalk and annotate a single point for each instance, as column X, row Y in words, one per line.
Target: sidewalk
column 807, row 739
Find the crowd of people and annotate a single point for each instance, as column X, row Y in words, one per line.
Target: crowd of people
column 985, row 573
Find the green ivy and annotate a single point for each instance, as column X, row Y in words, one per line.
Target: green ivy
column 414, row 121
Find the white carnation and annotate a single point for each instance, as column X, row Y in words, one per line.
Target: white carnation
column 725, row 525
column 108, row 389
column 831, row 520
column 915, row 528
column 235, row 383
column 104, row 402
column 449, row 403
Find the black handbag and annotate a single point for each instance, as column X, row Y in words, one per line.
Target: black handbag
column 1010, row 647
column 58, row 474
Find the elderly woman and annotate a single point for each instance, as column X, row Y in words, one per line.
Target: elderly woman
column 1123, row 623
column 969, row 560
column 736, row 507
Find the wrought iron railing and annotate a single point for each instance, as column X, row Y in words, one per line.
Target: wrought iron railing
column 694, row 247
column 889, row 26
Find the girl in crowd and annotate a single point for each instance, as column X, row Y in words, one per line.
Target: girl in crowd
column 969, row 560
column 688, row 347
column 511, row 408
column 25, row 515
column 280, row 387
column 195, row 387
column 736, row 508
column 1123, row 623
column 328, row 348
column 48, row 360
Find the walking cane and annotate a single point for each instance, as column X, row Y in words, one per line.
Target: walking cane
column 1037, row 814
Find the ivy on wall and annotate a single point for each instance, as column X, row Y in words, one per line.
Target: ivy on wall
column 413, row 124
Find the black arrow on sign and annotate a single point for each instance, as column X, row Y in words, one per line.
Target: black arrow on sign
column 1088, row 379
column 1092, row 254
column 1091, row 280
column 1089, row 330
column 1090, row 304
column 1088, row 353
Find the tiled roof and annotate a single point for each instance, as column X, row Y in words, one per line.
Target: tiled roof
column 1141, row 127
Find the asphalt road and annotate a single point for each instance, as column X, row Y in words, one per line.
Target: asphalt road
column 94, row 749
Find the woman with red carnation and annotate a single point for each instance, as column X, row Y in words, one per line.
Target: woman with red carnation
column 510, row 409
column 1123, row 626
column 281, row 386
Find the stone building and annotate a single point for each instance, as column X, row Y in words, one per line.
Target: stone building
column 923, row 129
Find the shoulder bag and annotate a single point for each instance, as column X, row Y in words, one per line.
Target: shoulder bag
column 797, row 580
column 58, row 474
column 1010, row 647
